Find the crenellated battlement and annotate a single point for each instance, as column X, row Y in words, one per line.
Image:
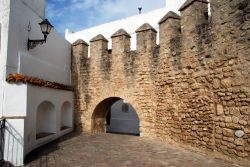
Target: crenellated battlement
column 120, row 42
column 98, row 46
column 174, row 31
column 192, row 87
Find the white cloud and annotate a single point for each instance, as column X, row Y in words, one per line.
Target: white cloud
column 58, row 0
column 80, row 14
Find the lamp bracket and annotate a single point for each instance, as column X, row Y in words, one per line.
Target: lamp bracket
column 33, row 43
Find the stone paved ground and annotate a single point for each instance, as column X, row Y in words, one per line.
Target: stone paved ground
column 112, row 150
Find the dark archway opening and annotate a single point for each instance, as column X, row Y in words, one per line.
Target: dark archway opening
column 108, row 117
column 114, row 115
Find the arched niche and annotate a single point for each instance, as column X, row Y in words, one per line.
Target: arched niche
column 45, row 120
column 66, row 116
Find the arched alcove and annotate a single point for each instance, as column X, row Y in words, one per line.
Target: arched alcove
column 45, row 120
column 66, row 116
column 103, row 120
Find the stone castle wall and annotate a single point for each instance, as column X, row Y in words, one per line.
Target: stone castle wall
column 193, row 88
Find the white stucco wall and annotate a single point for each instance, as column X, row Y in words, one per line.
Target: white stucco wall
column 37, row 6
column 4, row 21
column 15, row 104
column 50, row 61
column 15, row 100
column 14, row 141
column 36, row 96
column 20, row 134
column 130, row 24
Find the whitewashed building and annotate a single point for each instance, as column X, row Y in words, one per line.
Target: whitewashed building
column 35, row 115
column 129, row 24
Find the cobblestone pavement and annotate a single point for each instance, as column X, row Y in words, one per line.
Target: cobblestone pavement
column 112, row 150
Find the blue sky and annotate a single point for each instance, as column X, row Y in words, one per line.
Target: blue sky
column 80, row 14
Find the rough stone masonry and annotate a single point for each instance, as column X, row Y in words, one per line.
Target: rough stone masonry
column 192, row 88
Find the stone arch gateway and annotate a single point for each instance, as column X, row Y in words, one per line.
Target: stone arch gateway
column 100, row 113
column 118, row 125
column 192, row 87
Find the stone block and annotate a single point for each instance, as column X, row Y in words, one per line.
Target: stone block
column 239, row 133
column 247, row 147
column 242, row 154
column 218, row 136
column 218, row 130
column 233, row 126
column 222, row 124
column 228, row 119
column 239, row 142
column 235, row 119
column 247, row 130
column 219, row 110
column 216, row 83
column 229, row 139
column 226, row 83
column 245, row 110
column 228, row 132
column 243, row 122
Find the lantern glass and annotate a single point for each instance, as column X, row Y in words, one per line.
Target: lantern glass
column 45, row 27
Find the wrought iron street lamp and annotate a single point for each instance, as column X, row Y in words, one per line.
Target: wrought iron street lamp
column 45, row 28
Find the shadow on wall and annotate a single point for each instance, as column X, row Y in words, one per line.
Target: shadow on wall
column 2, row 130
column 13, row 148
